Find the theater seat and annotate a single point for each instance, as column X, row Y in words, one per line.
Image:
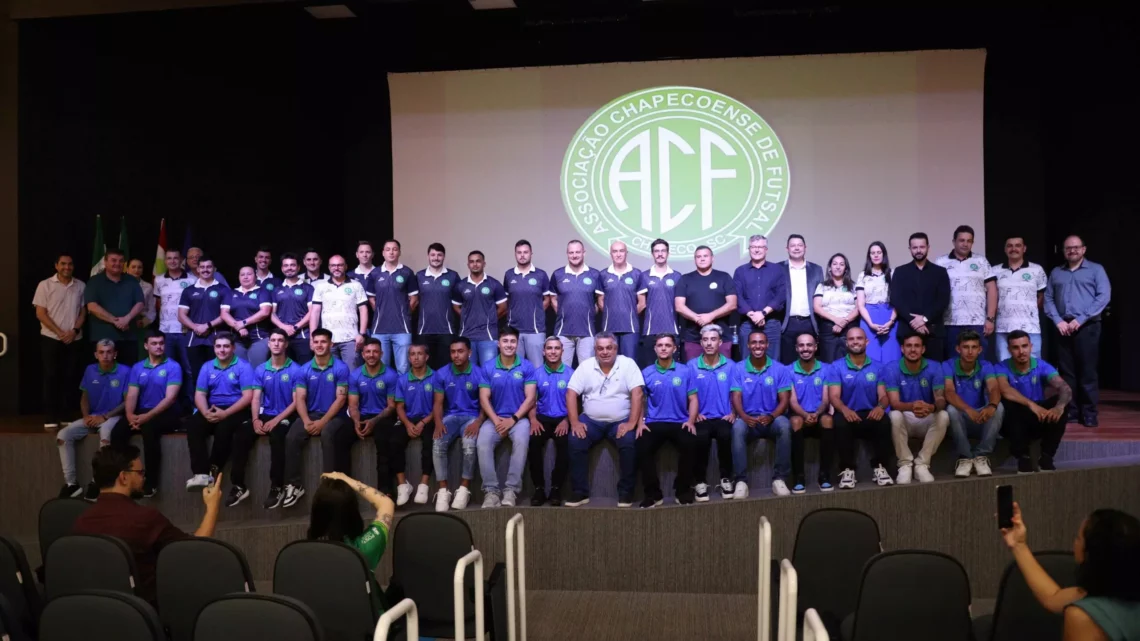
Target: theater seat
column 334, row 580
column 1017, row 614
column 192, row 573
column 99, row 615
column 911, row 595
column 81, row 562
column 245, row 617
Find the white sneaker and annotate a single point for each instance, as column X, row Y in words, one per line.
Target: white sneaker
column 847, row 479
column 403, row 493
column 491, row 500
column 197, row 482
column 422, row 493
column 701, row 492
column 922, row 473
column 882, row 477
column 779, row 488
column 442, row 500
column 964, row 467
column 741, row 491
column 905, row 472
column 982, row 466
column 462, row 496
column 508, row 498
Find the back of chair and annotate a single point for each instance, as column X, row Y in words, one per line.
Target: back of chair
column 18, row 587
column 192, row 573
column 913, row 594
column 246, row 617
column 81, row 562
column 335, row 581
column 99, row 615
column 832, row 546
column 425, row 548
column 57, row 517
column 11, row 627
column 1017, row 614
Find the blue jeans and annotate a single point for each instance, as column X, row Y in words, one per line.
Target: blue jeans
column 395, row 348
column 484, row 351
column 453, row 428
column 346, row 352
column 627, row 344
column 952, row 332
column 580, row 456
column 1003, row 345
column 962, row 429
column 779, row 430
column 489, row 439
column 772, row 329
column 530, row 347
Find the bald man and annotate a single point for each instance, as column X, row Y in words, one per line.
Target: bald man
column 622, row 300
column 340, row 305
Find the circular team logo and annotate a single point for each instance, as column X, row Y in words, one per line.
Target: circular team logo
column 468, row 385
column 690, row 165
column 870, row 376
column 427, row 387
column 399, row 279
column 183, row 285
column 114, row 382
column 298, row 291
column 768, row 380
column 518, row 376
column 561, row 384
column 669, row 282
column 588, row 280
column 161, row 373
column 445, row 282
column 712, row 285
column 974, row 267
column 532, row 281
column 486, row 291
column 676, row 381
column 628, row 280
column 348, row 290
column 232, row 376
column 1033, row 379
column 284, row 378
column 721, row 376
column 214, row 294
column 923, row 383
column 817, row 381
column 1027, row 276
column 977, row 384
column 253, row 296
column 379, row 384
column 329, row 377
column 269, row 287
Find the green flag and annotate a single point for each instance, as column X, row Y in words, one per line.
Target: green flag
column 99, row 248
column 124, row 244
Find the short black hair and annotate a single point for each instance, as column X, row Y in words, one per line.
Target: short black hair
column 109, row 462
column 205, row 258
column 154, row 332
column 792, row 237
column 920, row 337
column 264, row 248
column 460, row 339
column 288, row 256
column 1112, row 556
column 372, row 340
column 671, row 338
column 508, row 331
column 474, row 252
column 280, row 332
column 660, row 241
column 437, row 247
column 700, row 247
column 312, row 250
column 114, row 251
column 365, row 242
column 393, row 240
column 228, row 336
column 968, row 335
column 322, row 331
column 918, row 235
column 522, row 242
column 1016, row 334
column 418, row 343
column 964, row 229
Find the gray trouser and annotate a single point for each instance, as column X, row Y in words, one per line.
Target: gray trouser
column 583, row 345
column 346, row 352
column 77, row 431
column 337, row 438
column 530, row 346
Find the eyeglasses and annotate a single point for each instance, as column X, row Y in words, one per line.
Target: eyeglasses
column 1073, row 248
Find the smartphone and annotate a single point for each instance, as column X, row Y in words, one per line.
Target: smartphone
column 213, row 475
column 1005, row 506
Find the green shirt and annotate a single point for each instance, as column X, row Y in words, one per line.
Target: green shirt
column 372, row 544
column 117, row 299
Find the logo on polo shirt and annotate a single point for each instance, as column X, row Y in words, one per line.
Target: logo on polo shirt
column 348, row 290
column 468, row 385
column 676, row 381
column 427, row 387
column 298, row 291
column 329, row 377
column 588, row 280
column 712, row 285
column 114, row 382
column 399, row 279
column 1027, row 276
column 161, row 373
column 284, row 378
column 561, row 384
column 1033, row 379
column 718, row 172
column 379, row 384
column 817, row 381
column 974, row 267
column 628, row 280
column 721, row 376
column 669, row 282
column 253, row 296
column 924, row 383
column 445, row 282
column 977, row 384
column 486, row 291
column 183, row 284
column 517, row 375
column 232, row 376
column 532, row 281
column 269, row 286
column 870, row 376
column 768, row 380
column 213, row 293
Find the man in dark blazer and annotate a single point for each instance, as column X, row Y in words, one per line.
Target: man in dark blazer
column 920, row 294
column 801, row 277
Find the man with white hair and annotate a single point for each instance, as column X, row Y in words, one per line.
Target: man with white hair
column 622, row 300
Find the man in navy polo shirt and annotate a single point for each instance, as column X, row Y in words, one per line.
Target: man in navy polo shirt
column 506, row 394
column 457, row 414
column 915, row 388
column 223, row 392
column 437, row 322
column 528, row 289
column 808, row 413
column 272, row 410
column 104, row 385
column 671, row 415
column 622, row 300
column 151, row 407
column 414, row 403
column 479, row 301
column 704, row 296
column 1024, row 380
column 973, row 402
column 712, row 375
column 262, row 260
column 312, row 261
column 292, row 303
column 760, row 390
column 200, row 312
column 321, row 393
column 860, row 402
column 394, row 293
column 660, row 307
column 548, row 422
column 364, row 266
column 574, row 289
column 372, row 408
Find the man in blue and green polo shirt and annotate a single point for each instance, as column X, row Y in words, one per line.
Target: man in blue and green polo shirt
column 372, row 408
column 915, row 389
column 414, row 402
column 152, row 406
column 712, row 375
column 457, row 414
column 760, row 391
column 549, row 422
column 973, row 402
column 223, row 392
column 1023, row 381
column 860, row 402
column 506, row 394
column 808, row 413
column 671, row 415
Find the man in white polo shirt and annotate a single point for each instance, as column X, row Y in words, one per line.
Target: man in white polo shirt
column 1021, row 293
column 341, row 306
column 610, row 387
column 60, row 310
column 973, row 293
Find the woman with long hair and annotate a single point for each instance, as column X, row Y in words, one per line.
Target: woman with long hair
column 873, row 298
column 1104, row 605
column 834, row 306
column 336, row 516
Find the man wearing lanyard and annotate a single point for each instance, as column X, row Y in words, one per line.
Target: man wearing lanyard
column 671, row 415
column 372, row 408
column 200, row 312
column 479, row 301
column 920, row 294
column 437, row 323
column 704, row 295
column 221, row 396
column 292, row 307
column 622, row 300
column 973, row 402
column 915, row 388
column 712, row 375
column 574, row 290
column 660, row 307
column 760, row 287
column 414, row 401
column 760, row 391
column 394, row 293
column 506, row 394
column 860, row 402
column 457, row 415
column 168, row 292
column 973, row 292
column 341, row 306
column 1077, row 295
column 1023, row 381
column 1021, row 294
column 800, row 282
column 528, row 291
column 807, row 412
column 151, row 407
column 548, row 422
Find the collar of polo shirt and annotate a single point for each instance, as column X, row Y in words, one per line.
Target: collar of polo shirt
column 364, row 370
column 384, row 268
column 147, row 365
column 499, row 363
column 752, row 370
column 961, row 372
column 852, row 365
column 314, row 365
column 628, row 269
column 954, row 256
column 653, row 270
column 218, row 364
column 797, row 368
column 246, row 291
column 662, row 370
column 199, row 283
column 518, row 273
column 468, row 279
column 466, row 371
column 702, row 365
column 433, row 274
column 270, row 368
column 114, row 368
column 921, row 366
column 570, row 270
column 427, row 372
column 561, row 368
column 1012, row 365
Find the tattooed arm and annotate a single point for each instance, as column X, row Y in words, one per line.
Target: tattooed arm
column 385, row 508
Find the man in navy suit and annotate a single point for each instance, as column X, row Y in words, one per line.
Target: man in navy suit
column 800, row 280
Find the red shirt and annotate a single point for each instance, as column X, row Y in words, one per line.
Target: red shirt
column 143, row 529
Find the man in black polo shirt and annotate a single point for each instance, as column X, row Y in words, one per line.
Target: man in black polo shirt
column 920, row 294
column 704, row 296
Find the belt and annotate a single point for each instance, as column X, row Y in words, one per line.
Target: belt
column 801, row 317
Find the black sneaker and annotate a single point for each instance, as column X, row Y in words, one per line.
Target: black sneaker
column 237, row 495
column 273, row 500
column 625, row 501
column 1089, row 420
column 1045, row 463
column 727, row 489
column 701, row 492
column 92, row 493
column 555, row 497
column 650, row 501
column 688, row 497
column 70, row 491
column 825, row 483
column 1025, row 465
column 577, row 499
column 799, row 486
column 538, row 498
column 150, row 491
column 293, row 494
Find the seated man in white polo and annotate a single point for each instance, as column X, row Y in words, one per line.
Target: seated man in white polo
column 915, row 388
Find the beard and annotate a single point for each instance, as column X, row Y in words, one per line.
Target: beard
column 919, row 256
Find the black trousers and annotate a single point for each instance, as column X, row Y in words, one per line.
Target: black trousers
column 392, row 450
column 198, row 429
column 152, row 432
column 198, row 356
column 1021, row 426
column 714, row 429
column 536, row 455
column 647, row 445
column 826, row 438
column 832, row 346
column 796, row 325
column 244, row 439
column 1077, row 359
column 61, row 376
column 878, row 432
column 127, row 352
column 337, row 438
column 439, row 349
column 299, row 350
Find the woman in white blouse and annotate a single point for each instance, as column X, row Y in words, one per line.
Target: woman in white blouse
column 835, row 308
column 873, row 296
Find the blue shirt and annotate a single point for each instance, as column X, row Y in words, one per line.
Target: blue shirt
column 971, row 388
column 660, row 308
column 858, row 386
column 374, row 391
column 1030, row 383
column 276, row 385
column 321, row 383
column 291, row 303
column 508, row 386
column 203, row 305
column 667, row 392
column 223, row 385
column 389, row 291
column 551, row 388
column 152, row 381
column 760, row 388
column 808, row 386
column 242, row 306
column 460, row 390
column 760, row 287
column 105, row 390
column 479, row 307
column 416, row 394
column 917, row 386
column 703, row 294
column 714, row 386
column 436, row 315
column 619, row 311
column 524, row 305
column 577, row 297
column 1080, row 294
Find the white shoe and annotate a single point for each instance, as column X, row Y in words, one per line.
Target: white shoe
column 741, row 491
column 847, row 479
column 462, row 496
column 964, row 467
column 197, row 482
column 491, row 500
column 905, row 472
column 422, row 494
column 403, row 493
column 442, row 500
column 779, row 488
column 982, row 466
column 922, row 473
column 701, row 492
column 508, row 498
column 882, row 478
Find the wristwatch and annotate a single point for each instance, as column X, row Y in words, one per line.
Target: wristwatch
column 925, row 320
column 516, row 418
column 990, row 319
